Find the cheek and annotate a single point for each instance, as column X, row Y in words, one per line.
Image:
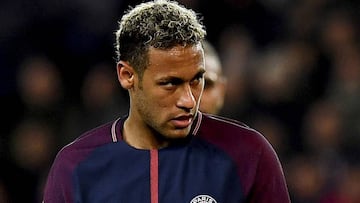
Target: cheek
column 159, row 99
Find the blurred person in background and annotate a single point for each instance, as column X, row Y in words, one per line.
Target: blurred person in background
column 283, row 87
column 323, row 138
column 33, row 140
column 101, row 101
column 305, row 178
column 40, row 87
column 165, row 149
column 236, row 50
column 212, row 100
column 344, row 90
column 41, row 93
column 347, row 190
column 33, row 145
column 338, row 37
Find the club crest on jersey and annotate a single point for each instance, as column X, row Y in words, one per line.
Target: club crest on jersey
column 203, row 199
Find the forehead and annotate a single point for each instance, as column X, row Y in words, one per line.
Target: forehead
column 177, row 58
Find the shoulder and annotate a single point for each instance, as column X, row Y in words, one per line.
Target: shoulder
column 221, row 121
column 257, row 163
column 86, row 143
column 72, row 155
column 215, row 124
column 232, row 134
column 92, row 138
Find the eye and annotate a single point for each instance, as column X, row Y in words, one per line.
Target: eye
column 170, row 83
column 166, row 84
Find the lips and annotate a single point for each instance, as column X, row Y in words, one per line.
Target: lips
column 182, row 121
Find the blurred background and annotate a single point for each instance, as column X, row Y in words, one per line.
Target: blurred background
column 292, row 67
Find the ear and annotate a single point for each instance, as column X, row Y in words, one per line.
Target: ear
column 125, row 74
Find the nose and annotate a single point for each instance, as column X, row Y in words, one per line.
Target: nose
column 187, row 99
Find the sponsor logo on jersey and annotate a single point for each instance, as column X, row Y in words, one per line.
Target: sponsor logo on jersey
column 203, row 199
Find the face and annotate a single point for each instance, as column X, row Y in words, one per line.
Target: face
column 166, row 100
column 214, row 91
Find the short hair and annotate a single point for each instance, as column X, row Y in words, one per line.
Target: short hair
column 161, row 24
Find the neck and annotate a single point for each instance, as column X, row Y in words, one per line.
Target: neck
column 140, row 137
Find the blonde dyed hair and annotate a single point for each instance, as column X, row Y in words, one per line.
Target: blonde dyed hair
column 161, row 24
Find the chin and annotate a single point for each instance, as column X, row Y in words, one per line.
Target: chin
column 178, row 134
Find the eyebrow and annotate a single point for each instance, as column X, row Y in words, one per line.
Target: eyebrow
column 201, row 72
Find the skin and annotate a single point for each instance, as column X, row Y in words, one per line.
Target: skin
column 165, row 101
column 212, row 99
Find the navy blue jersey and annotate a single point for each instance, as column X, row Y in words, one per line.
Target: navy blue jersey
column 221, row 161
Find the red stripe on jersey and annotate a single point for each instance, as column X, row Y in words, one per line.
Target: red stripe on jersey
column 154, row 176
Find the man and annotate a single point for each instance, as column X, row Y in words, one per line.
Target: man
column 213, row 96
column 165, row 150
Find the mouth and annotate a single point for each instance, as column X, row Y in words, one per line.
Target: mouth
column 182, row 121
